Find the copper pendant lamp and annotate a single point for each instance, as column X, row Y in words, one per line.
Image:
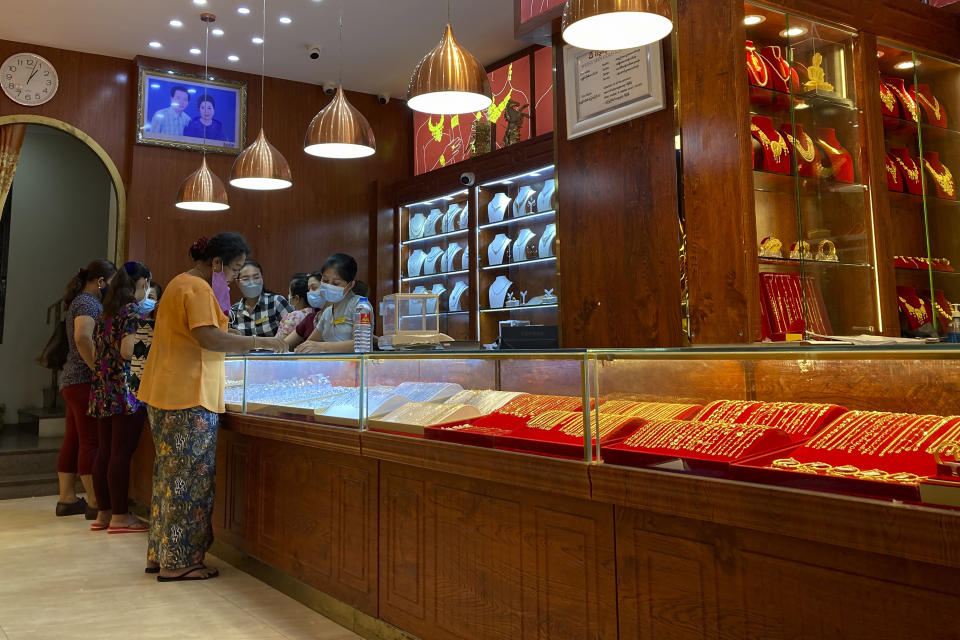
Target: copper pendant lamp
column 339, row 130
column 449, row 80
column 260, row 166
column 608, row 25
column 203, row 190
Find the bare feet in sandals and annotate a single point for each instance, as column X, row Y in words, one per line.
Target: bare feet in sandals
column 196, row 572
column 126, row 523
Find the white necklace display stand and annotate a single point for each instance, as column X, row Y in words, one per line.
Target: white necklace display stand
column 430, row 225
column 415, row 263
column 545, row 248
column 449, row 260
column 430, row 262
column 465, row 259
column 497, row 250
column 464, row 217
column 497, row 207
column 454, row 301
column 520, row 246
column 450, row 218
column 414, row 306
column 498, row 291
column 521, row 204
column 416, row 226
column 432, row 304
column 545, row 199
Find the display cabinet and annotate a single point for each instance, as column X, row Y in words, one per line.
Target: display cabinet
column 920, row 102
column 810, row 183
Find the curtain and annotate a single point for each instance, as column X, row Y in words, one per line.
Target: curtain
column 11, row 140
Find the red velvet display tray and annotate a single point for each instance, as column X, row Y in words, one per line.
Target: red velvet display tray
column 558, row 444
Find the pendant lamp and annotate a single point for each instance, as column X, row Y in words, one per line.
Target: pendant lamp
column 449, row 80
column 339, row 130
column 608, row 25
column 203, row 190
column 260, row 166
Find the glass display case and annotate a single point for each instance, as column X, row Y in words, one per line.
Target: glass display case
column 517, row 250
column 920, row 101
column 811, row 195
column 859, row 421
column 434, row 257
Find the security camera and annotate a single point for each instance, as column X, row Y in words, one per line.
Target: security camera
column 313, row 52
column 329, row 88
column 383, row 98
column 468, row 178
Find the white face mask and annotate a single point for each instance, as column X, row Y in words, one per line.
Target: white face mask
column 331, row 292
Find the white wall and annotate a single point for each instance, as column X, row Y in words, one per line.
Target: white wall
column 60, row 219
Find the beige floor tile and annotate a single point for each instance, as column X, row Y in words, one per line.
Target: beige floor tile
column 62, row 581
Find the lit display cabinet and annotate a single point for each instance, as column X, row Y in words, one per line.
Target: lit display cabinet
column 817, row 274
column 920, row 102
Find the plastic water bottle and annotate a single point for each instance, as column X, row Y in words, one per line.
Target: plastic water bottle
column 953, row 332
column 363, row 327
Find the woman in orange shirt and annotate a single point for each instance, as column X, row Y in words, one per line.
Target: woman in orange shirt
column 182, row 386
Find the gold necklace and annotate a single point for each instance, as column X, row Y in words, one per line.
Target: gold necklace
column 908, row 102
column 891, row 169
column 887, row 97
column 836, row 152
column 919, row 313
column 808, row 151
column 777, row 147
column 756, row 66
column 935, row 106
column 945, row 180
column 913, row 174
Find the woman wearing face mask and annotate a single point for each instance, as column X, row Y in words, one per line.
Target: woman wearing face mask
column 297, row 297
column 219, row 284
column 315, row 304
column 182, row 386
column 82, row 299
column 260, row 311
column 113, row 399
column 342, row 291
column 144, row 338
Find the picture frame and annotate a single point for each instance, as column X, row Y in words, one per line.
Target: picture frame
column 605, row 88
column 172, row 111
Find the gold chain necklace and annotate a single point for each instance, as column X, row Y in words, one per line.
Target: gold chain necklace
column 777, row 147
column 908, row 102
column 945, row 180
column 891, row 169
column 913, row 174
column 935, row 106
column 919, row 313
column 887, row 97
column 756, row 66
column 834, row 151
column 808, row 151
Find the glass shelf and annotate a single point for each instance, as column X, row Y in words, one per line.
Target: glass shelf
column 439, row 236
column 788, row 184
column 528, row 307
column 512, row 221
column 806, row 264
column 437, row 275
column 521, row 263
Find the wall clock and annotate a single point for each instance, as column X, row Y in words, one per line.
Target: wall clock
column 29, row 79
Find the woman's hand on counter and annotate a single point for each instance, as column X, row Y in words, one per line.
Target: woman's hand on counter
column 311, row 346
column 274, row 344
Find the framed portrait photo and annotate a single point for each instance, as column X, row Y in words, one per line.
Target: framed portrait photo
column 191, row 112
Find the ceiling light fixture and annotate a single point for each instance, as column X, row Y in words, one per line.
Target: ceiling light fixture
column 199, row 3
column 217, row 32
column 906, row 64
column 753, row 19
column 793, row 32
column 285, row 19
column 233, row 58
column 176, row 24
column 339, row 130
column 260, row 167
column 155, row 45
column 203, row 190
column 608, row 25
column 449, row 80
column 243, row 10
column 256, row 40
column 195, row 51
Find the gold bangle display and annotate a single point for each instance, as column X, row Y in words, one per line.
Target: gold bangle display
column 827, row 251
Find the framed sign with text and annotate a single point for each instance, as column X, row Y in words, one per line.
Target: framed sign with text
column 604, row 88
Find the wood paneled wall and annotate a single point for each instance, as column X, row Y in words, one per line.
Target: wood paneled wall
column 332, row 206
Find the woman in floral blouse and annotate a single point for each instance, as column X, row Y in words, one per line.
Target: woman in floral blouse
column 113, row 399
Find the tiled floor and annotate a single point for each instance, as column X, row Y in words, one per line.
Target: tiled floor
column 58, row 581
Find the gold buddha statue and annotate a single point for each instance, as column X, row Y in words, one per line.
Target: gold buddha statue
column 816, row 76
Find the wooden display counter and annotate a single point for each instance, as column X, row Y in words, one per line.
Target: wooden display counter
column 448, row 541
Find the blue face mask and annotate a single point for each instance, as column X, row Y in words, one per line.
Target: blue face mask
column 331, row 292
column 315, row 299
column 147, row 305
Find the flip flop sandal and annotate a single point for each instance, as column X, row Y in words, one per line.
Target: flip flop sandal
column 136, row 528
column 98, row 526
column 185, row 576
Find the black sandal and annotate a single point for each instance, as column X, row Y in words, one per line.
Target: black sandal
column 185, row 576
column 152, row 570
column 72, row 508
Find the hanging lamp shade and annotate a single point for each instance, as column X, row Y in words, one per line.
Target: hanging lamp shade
column 339, row 130
column 608, row 25
column 449, row 80
column 202, row 191
column 261, row 167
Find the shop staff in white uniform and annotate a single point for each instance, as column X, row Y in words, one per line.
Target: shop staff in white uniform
column 342, row 291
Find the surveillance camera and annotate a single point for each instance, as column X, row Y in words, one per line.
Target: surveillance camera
column 329, row 88
column 313, row 52
column 383, row 98
column 468, row 178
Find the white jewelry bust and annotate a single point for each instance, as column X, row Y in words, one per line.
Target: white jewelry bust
column 431, row 260
column 453, row 303
column 416, row 225
column 497, row 250
column 432, row 304
column 463, row 220
column 497, row 207
column 430, row 224
column 449, row 223
column 545, row 197
column 521, row 204
column 520, row 245
column 545, row 247
column 449, row 260
column 414, row 306
column 465, row 259
column 415, row 263
column 498, row 291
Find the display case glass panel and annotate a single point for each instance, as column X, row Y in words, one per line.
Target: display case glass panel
column 811, row 197
column 517, row 250
column 920, row 101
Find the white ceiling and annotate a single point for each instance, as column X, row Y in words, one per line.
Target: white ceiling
column 382, row 39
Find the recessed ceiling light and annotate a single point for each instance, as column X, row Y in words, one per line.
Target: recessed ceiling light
column 285, row 19
column 199, row 3
column 793, row 32
column 195, row 51
column 217, row 32
column 233, row 58
column 256, row 40
column 753, row 19
column 176, row 24
column 880, row 54
column 243, row 10
column 155, row 45
column 906, row 64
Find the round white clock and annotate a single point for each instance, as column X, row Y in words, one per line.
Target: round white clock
column 29, row 79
